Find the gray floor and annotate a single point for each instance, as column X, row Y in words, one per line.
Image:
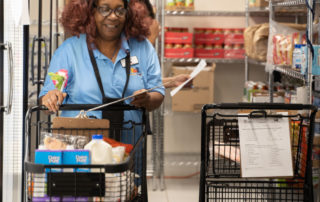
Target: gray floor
column 181, row 181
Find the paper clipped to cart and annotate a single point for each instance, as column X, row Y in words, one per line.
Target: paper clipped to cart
column 265, row 147
column 202, row 64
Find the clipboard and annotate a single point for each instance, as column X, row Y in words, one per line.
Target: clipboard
column 80, row 126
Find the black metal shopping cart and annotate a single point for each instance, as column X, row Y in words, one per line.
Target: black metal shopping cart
column 124, row 181
column 220, row 177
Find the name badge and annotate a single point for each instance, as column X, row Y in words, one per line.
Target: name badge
column 133, row 61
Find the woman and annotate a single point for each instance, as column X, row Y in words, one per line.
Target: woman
column 107, row 35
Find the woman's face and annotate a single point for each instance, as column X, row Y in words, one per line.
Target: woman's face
column 109, row 27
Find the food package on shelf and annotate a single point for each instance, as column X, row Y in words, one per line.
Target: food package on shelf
column 185, row 5
column 249, row 33
column 281, row 44
column 258, row 3
column 260, row 42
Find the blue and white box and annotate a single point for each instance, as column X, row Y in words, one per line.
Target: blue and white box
column 46, row 157
column 76, row 157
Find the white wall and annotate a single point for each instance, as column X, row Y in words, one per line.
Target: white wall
column 182, row 131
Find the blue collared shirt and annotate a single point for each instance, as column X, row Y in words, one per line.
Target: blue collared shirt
column 82, row 86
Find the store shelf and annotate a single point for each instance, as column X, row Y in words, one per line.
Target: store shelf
column 209, row 60
column 255, row 62
column 291, row 3
column 281, row 12
column 204, row 13
column 289, row 71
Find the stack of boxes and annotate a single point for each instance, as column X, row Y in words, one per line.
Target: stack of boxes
column 209, row 42
column 178, row 43
column 219, row 43
column 234, row 43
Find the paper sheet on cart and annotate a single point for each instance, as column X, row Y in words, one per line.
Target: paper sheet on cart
column 265, row 147
column 202, row 64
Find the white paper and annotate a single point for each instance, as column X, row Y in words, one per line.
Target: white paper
column 265, row 147
column 21, row 16
column 202, row 64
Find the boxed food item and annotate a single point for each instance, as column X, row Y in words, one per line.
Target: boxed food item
column 209, row 53
column 208, row 36
column 234, row 36
column 178, row 37
column 193, row 99
column 179, row 52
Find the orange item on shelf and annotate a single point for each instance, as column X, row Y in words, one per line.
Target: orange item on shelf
column 115, row 143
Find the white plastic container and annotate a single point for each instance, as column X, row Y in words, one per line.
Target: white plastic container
column 101, row 152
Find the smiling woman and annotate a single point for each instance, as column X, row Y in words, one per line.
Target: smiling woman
column 107, row 58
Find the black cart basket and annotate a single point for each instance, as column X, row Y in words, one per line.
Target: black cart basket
column 220, row 176
column 116, row 182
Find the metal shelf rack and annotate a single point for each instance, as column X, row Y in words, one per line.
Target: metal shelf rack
column 287, row 71
column 209, row 60
column 203, row 13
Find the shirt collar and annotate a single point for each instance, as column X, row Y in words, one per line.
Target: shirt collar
column 122, row 52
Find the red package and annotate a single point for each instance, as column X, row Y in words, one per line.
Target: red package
column 115, row 143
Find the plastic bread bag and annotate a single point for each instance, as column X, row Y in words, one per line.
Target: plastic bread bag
column 55, row 141
column 281, row 41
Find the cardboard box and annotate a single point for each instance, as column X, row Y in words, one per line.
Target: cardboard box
column 209, row 53
column 178, row 37
column 193, row 99
column 179, row 52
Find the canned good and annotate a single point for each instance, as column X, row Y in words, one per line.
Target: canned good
column 199, row 30
column 238, row 31
column 237, row 46
column 177, row 45
column 228, row 31
column 209, row 31
column 200, row 46
column 189, row 3
column 180, row 2
column 168, row 45
column 171, row 2
column 218, row 31
column 217, row 46
column 209, row 47
column 227, row 47
column 187, row 46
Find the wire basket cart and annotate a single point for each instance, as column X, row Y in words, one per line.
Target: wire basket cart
column 118, row 182
column 220, row 174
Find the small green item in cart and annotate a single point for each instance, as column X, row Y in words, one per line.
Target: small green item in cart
column 59, row 79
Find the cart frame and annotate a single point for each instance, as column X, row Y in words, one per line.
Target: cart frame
column 219, row 185
column 140, row 147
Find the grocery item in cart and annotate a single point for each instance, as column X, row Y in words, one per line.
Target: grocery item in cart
column 101, row 152
column 59, row 79
column 57, row 141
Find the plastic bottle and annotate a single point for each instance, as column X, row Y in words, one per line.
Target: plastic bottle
column 101, row 152
column 297, row 57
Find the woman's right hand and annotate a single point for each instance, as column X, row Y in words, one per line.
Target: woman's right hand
column 53, row 99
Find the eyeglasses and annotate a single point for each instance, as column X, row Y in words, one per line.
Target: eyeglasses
column 105, row 11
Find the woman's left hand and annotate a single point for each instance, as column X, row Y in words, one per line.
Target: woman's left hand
column 141, row 100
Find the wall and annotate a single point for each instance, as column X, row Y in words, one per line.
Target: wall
column 183, row 130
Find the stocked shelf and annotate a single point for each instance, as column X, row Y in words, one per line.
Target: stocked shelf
column 281, row 11
column 289, row 71
column 291, row 3
column 209, row 60
column 203, row 13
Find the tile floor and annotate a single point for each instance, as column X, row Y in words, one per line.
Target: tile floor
column 181, row 183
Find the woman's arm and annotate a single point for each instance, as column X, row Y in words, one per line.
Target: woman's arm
column 148, row 100
column 175, row 81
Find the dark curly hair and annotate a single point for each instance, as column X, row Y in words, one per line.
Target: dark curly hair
column 78, row 18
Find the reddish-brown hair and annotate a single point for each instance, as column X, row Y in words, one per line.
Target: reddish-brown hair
column 78, row 18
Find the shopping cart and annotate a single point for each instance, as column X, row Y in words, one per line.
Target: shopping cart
column 220, row 177
column 125, row 181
